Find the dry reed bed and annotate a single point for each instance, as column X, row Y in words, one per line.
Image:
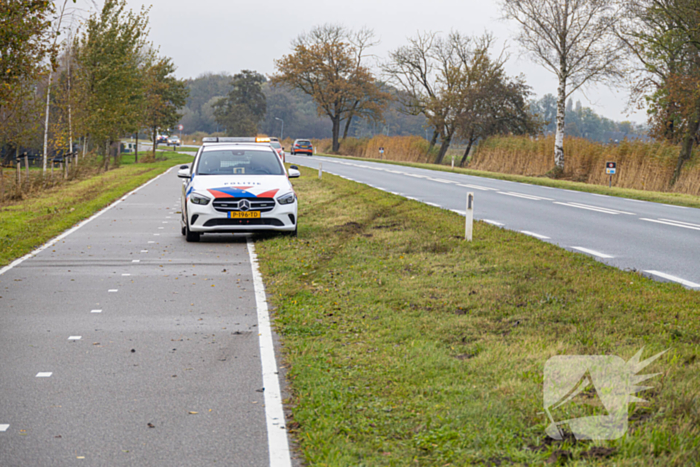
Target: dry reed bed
column 396, row 148
column 641, row 165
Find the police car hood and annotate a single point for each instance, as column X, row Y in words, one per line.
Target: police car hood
column 240, row 186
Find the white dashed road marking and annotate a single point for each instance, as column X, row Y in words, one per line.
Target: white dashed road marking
column 521, row 195
column 532, row 234
column 477, row 187
column 75, row 338
column 497, row 224
column 594, row 208
column 4, row 427
column 144, row 251
column 135, row 260
column 96, row 311
column 113, row 290
column 592, row 252
column 44, row 374
column 685, row 225
column 669, row 277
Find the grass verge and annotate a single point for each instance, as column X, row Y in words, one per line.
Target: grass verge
column 677, row 199
column 409, row 346
column 27, row 224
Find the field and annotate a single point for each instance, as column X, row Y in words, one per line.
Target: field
column 407, row 345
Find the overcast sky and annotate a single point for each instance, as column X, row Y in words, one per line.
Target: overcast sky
column 232, row 35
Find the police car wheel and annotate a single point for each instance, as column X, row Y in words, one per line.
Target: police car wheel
column 191, row 236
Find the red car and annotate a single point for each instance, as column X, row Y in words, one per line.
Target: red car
column 275, row 143
column 302, row 146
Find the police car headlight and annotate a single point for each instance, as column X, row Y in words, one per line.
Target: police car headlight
column 199, row 200
column 289, row 198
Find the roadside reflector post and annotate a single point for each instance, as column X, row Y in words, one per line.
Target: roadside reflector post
column 320, row 170
column 453, row 162
column 469, row 228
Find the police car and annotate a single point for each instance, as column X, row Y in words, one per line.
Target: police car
column 237, row 185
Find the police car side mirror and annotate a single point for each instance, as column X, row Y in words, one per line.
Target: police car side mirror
column 294, row 173
column 183, row 173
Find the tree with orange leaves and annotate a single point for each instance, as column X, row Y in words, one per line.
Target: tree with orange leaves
column 327, row 65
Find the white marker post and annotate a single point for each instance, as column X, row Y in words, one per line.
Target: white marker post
column 469, row 228
column 320, row 170
column 453, row 162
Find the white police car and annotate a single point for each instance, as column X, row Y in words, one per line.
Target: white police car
column 237, row 185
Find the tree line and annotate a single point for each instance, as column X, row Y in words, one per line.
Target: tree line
column 458, row 83
column 78, row 87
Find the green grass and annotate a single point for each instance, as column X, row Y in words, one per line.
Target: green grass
column 677, row 199
column 407, row 345
column 30, row 223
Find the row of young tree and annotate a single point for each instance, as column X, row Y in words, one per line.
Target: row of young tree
column 104, row 80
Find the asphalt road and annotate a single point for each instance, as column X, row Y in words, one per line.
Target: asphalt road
column 661, row 240
column 124, row 345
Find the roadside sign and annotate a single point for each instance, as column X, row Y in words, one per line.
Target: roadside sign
column 180, row 127
column 381, row 150
column 610, row 168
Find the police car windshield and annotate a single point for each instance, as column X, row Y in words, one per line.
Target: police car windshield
column 239, row 162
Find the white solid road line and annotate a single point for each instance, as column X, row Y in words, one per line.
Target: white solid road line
column 433, row 204
column 46, row 374
column 592, row 252
column 278, row 445
column 457, row 211
column 521, row 195
column 96, row 311
column 497, row 224
column 669, row 277
column 594, row 208
column 4, row 427
column 685, row 225
column 532, row 234
column 55, row 240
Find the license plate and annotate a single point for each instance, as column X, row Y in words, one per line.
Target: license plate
column 244, row 215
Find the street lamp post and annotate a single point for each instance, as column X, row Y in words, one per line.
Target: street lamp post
column 282, row 130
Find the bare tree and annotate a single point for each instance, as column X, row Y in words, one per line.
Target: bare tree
column 454, row 82
column 575, row 40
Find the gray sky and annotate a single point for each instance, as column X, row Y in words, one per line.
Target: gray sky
column 232, row 35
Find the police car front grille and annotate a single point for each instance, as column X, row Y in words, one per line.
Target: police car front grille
column 232, row 204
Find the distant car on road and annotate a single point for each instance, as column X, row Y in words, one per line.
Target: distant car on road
column 302, row 146
column 275, row 143
column 161, row 139
column 174, row 140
